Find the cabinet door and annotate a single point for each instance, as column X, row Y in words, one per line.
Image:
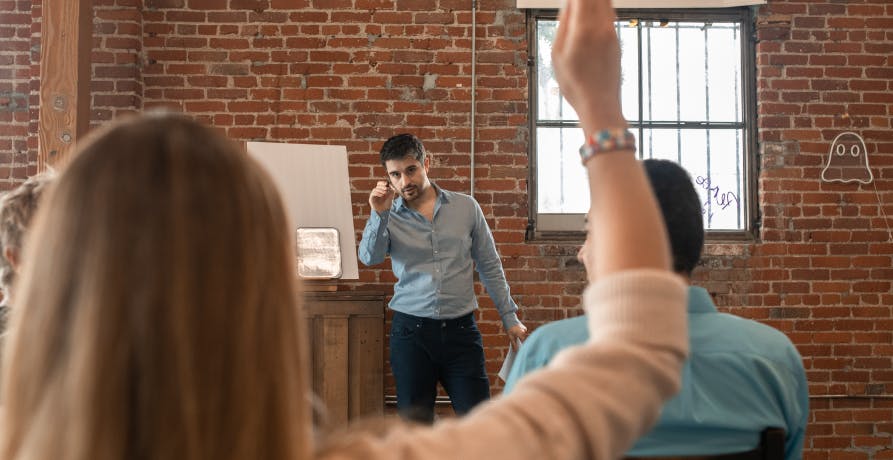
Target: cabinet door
column 347, row 354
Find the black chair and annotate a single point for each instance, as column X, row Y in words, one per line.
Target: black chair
column 771, row 448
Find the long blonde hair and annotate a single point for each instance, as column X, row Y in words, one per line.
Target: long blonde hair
column 159, row 316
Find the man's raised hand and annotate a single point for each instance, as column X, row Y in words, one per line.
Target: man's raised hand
column 381, row 197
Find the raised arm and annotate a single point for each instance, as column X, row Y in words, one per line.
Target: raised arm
column 623, row 212
column 375, row 243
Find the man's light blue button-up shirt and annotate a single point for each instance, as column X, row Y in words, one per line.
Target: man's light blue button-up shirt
column 741, row 377
column 434, row 260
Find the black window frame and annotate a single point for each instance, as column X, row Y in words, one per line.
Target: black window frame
column 745, row 17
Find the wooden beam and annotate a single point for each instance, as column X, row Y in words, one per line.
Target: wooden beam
column 66, row 41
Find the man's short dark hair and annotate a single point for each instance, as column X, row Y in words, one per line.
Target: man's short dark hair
column 681, row 208
column 400, row 146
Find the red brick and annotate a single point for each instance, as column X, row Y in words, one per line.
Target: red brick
column 208, row 4
column 255, row 5
column 164, row 3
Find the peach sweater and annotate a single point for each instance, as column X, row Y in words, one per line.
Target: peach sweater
column 591, row 402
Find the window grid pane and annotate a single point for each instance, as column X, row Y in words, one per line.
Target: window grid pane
column 561, row 181
column 682, row 95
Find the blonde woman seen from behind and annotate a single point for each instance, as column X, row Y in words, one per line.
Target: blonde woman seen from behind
column 162, row 318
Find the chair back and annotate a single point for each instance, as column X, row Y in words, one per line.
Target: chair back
column 771, row 448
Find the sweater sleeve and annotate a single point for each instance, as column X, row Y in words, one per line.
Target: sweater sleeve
column 591, row 401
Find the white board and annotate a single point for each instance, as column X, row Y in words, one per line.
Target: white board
column 313, row 180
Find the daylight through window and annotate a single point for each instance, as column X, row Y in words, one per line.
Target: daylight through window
column 687, row 95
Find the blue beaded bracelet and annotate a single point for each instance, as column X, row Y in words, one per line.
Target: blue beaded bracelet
column 607, row 140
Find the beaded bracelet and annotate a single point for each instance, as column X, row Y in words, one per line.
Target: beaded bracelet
column 607, row 140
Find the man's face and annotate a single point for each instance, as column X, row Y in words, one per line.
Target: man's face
column 409, row 177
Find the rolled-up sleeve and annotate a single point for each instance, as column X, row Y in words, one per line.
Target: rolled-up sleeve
column 375, row 243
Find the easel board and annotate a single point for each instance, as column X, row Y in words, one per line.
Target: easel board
column 314, row 183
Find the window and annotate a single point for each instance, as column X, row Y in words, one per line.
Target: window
column 687, row 94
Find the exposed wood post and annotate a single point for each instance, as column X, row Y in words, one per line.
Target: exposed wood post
column 66, row 41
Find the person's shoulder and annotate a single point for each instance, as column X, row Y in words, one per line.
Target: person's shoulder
column 457, row 197
column 743, row 336
column 460, row 202
column 766, row 333
column 559, row 334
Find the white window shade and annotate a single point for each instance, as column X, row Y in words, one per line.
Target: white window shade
column 555, row 4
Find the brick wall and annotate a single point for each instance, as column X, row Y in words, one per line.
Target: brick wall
column 354, row 72
column 15, row 89
column 825, row 260
column 116, row 86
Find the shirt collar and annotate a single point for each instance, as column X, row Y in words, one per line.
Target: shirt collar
column 699, row 301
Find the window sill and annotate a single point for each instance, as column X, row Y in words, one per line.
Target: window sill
column 710, row 237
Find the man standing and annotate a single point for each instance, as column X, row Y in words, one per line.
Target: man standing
column 435, row 239
column 741, row 376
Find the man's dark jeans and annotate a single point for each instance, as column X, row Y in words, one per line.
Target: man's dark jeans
column 425, row 351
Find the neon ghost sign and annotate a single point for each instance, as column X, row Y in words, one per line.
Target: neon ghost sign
column 847, row 160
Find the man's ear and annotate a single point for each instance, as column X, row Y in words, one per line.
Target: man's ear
column 12, row 255
column 426, row 163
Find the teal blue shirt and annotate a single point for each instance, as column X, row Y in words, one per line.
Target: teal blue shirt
column 434, row 261
column 741, row 377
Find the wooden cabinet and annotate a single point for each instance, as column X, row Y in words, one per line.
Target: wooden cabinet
column 347, row 352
